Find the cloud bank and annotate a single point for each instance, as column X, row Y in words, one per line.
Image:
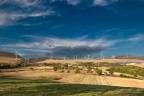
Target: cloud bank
column 69, row 47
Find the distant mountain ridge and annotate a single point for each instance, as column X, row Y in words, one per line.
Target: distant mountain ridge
column 129, row 57
column 9, row 54
column 9, row 57
column 39, row 59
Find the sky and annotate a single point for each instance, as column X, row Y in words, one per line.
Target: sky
column 72, row 27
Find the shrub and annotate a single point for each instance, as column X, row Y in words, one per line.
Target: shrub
column 8, row 65
column 122, row 75
column 105, row 73
column 55, row 68
column 98, row 71
column 77, row 70
column 135, row 74
column 68, row 71
column 62, row 71
column 133, row 70
column 65, row 66
column 111, row 72
column 89, row 69
column 31, row 68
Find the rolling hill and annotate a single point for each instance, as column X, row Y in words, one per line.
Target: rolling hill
column 39, row 59
column 129, row 57
column 9, row 57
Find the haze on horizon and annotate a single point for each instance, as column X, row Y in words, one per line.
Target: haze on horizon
column 72, row 27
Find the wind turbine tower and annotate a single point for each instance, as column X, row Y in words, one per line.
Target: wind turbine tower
column 101, row 55
column 64, row 58
column 76, row 57
column 16, row 53
column 127, row 56
column 51, row 47
column 88, row 56
column 113, row 56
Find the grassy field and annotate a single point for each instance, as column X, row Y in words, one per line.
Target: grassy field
column 23, row 87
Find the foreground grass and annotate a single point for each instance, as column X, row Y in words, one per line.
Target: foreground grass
column 22, row 87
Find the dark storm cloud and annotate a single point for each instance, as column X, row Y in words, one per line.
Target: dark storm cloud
column 75, row 51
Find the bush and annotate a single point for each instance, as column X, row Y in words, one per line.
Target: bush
column 133, row 70
column 55, row 68
column 8, row 65
column 111, row 72
column 68, row 71
column 65, row 66
column 89, row 69
column 62, row 71
column 31, row 68
column 122, row 75
column 77, row 70
column 105, row 73
column 135, row 74
column 98, row 71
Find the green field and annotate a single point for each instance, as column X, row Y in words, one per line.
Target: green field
column 23, row 87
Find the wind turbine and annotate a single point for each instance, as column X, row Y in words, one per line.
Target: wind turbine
column 27, row 60
column 113, row 56
column 85, row 57
column 76, row 57
column 64, row 57
column 127, row 56
column 51, row 47
column 16, row 53
column 88, row 56
column 101, row 55
column 92, row 57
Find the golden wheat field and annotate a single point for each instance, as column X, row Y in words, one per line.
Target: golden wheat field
column 48, row 73
column 91, row 60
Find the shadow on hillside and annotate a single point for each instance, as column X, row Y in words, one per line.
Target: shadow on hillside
column 6, row 80
column 43, row 87
column 73, row 89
